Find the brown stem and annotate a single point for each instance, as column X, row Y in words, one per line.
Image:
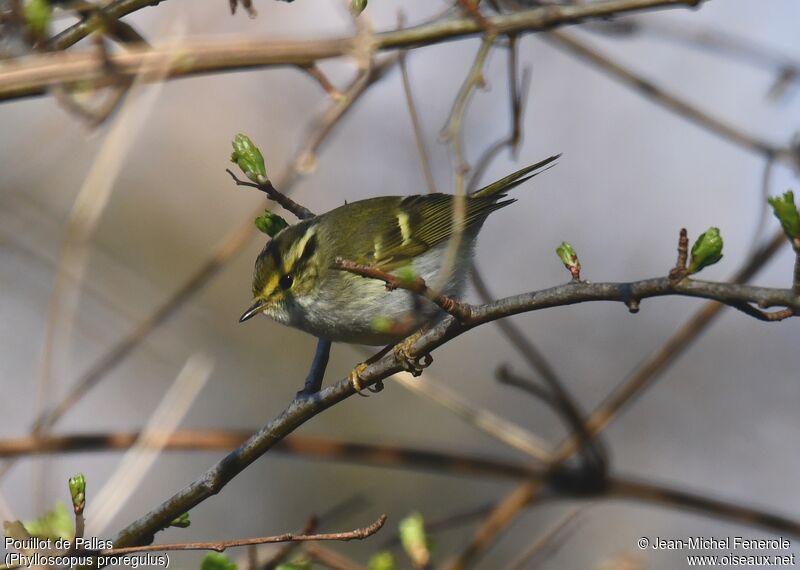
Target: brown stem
column 356, row 534
column 273, row 193
column 680, row 270
column 416, row 125
column 333, row 449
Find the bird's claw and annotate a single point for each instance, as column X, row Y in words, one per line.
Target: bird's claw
column 414, row 364
column 356, row 379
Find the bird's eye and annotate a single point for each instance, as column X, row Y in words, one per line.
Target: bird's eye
column 286, row 281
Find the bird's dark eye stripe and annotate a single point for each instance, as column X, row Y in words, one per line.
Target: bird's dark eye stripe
column 286, row 281
column 309, row 248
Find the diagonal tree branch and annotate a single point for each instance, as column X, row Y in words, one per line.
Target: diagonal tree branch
column 33, row 74
column 300, row 411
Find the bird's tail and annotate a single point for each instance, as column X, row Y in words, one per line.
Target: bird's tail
column 513, row 180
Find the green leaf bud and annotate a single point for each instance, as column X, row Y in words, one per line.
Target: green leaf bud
column 383, row 560
column 249, row 158
column 569, row 258
column 707, row 250
column 77, row 490
column 182, row 521
column 358, row 6
column 217, row 561
column 785, row 210
column 270, row 223
column 413, row 539
column 37, row 15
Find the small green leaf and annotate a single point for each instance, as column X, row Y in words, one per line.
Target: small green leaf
column 358, row 6
column 382, row 561
column 217, row 561
column 567, row 254
column 707, row 250
column 37, row 16
column 270, row 223
column 77, row 490
column 53, row 525
column 296, row 564
column 569, row 258
column 407, row 275
column 181, row 521
column 249, row 158
column 413, row 539
column 786, row 211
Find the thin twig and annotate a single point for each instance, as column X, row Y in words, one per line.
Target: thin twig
column 498, row 520
column 701, row 502
column 548, row 539
column 484, row 420
column 672, row 101
column 681, row 269
column 453, row 134
column 273, row 194
column 317, row 75
column 518, row 97
column 419, row 139
column 221, row 546
column 505, row 376
column 738, row 48
column 110, row 13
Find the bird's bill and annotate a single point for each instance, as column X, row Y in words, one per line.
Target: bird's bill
column 254, row 309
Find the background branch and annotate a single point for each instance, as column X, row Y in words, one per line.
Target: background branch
column 38, row 72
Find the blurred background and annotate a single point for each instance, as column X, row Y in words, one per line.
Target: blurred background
column 722, row 421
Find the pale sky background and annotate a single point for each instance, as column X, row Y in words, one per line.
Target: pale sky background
column 722, row 421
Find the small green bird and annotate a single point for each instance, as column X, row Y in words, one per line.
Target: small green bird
column 295, row 282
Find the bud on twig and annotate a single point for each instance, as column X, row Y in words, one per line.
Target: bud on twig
column 414, row 541
column 707, row 250
column 217, row 561
column 383, row 560
column 570, row 260
column 358, row 6
column 407, row 275
column 785, row 210
column 181, row 521
column 248, row 157
column 37, row 16
column 270, row 223
column 77, row 490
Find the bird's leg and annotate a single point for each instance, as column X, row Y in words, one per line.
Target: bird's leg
column 355, row 375
column 317, row 371
column 410, row 362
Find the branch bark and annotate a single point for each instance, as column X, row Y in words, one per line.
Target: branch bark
column 33, row 75
column 300, row 411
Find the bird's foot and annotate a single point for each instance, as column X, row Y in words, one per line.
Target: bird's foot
column 412, row 363
column 356, row 380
